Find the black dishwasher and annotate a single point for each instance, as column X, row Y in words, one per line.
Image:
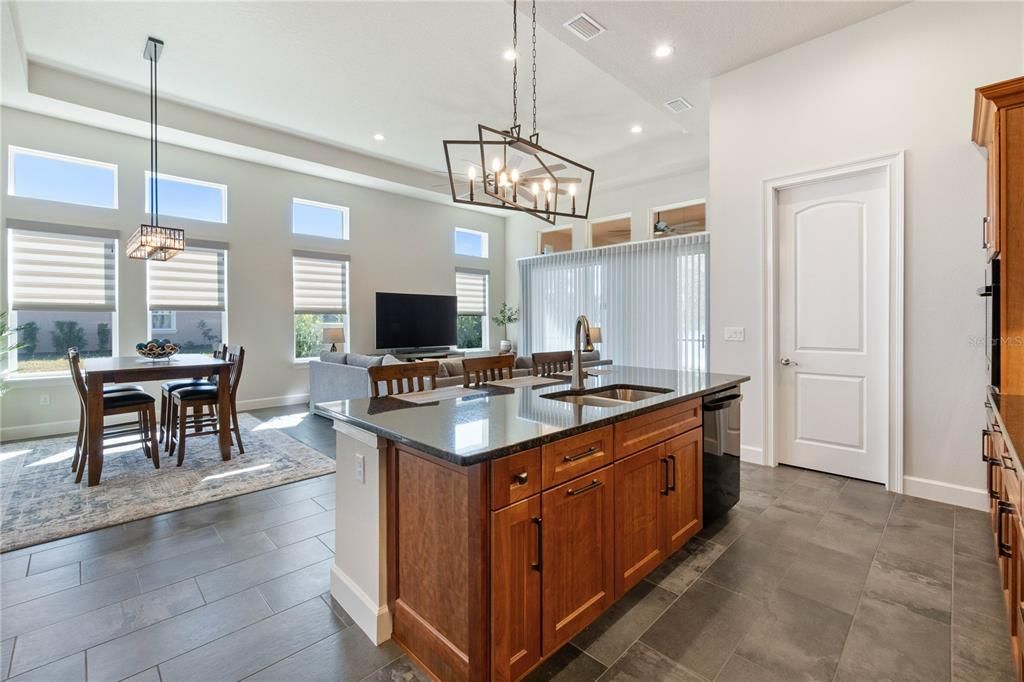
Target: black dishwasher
column 721, row 452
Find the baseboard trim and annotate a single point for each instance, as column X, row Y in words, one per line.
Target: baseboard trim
column 372, row 619
column 751, row 454
column 950, row 493
column 273, row 401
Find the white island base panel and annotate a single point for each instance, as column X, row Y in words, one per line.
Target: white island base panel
column 359, row 574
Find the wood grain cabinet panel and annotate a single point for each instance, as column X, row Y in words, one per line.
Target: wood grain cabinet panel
column 515, row 478
column 578, row 575
column 576, row 455
column 638, row 433
column 684, row 503
column 641, row 489
column 515, row 589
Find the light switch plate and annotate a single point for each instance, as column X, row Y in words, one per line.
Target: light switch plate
column 735, row 334
column 360, row 470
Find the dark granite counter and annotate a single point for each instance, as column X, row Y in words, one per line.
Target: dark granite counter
column 500, row 421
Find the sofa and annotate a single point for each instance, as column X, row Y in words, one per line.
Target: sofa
column 343, row 376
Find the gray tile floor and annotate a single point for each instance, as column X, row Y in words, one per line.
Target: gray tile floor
column 811, row 577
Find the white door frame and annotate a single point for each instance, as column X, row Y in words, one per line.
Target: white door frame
column 892, row 164
column 668, row 207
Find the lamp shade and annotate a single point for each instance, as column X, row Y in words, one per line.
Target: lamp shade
column 595, row 335
column 334, row 335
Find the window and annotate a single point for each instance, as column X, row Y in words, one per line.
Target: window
column 610, row 231
column 55, row 177
column 188, row 297
column 673, row 222
column 320, row 296
column 319, row 220
column 470, row 243
column 193, row 199
column 471, row 291
column 554, row 240
column 62, row 294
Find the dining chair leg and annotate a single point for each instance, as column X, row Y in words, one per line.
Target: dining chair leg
column 151, row 433
column 85, row 455
column 238, row 432
column 81, row 439
column 182, row 422
column 163, row 415
column 197, row 416
column 172, row 424
column 141, row 419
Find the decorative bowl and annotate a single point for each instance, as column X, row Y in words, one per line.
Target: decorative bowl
column 156, row 349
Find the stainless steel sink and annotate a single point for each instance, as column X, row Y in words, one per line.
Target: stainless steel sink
column 612, row 396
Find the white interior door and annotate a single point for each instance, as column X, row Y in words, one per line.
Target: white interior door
column 832, row 395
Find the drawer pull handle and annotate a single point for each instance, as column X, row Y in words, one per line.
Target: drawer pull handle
column 590, row 486
column 672, row 485
column 985, row 435
column 540, row 543
column 580, row 455
column 521, row 478
column 1005, row 550
column 1008, row 462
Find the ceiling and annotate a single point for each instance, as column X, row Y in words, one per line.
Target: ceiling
column 419, row 72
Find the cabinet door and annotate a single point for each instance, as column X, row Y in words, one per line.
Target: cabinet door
column 641, row 483
column 578, row 575
column 992, row 235
column 515, row 588
column 684, row 504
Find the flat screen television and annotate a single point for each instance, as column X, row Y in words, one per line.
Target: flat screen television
column 415, row 320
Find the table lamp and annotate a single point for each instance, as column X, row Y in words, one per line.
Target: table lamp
column 334, row 336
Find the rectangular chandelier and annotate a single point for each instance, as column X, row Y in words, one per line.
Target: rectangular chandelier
column 153, row 242
column 503, row 170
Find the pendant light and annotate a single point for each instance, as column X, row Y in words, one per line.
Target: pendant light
column 153, row 241
column 502, row 169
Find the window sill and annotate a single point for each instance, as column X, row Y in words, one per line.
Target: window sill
column 40, row 380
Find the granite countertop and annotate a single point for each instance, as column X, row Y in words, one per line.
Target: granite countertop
column 500, row 421
column 1010, row 415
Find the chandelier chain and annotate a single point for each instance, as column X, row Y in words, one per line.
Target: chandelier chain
column 534, row 10
column 515, row 65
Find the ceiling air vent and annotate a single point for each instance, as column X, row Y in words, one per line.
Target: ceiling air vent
column 678, row 105
column 584, row 27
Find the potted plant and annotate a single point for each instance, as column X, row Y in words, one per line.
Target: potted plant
column 6, row 346
column 506, row 315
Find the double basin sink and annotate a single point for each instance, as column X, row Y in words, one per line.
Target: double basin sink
column 608, row 396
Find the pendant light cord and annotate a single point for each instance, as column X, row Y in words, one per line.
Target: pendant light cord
column 534, row 10
column 154, row 194
column 515, row 65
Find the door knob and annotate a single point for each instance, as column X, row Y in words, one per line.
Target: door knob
column 786, row 362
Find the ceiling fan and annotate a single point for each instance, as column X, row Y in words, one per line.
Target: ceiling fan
column 664, row 229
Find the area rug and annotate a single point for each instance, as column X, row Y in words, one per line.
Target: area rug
column 39, row 500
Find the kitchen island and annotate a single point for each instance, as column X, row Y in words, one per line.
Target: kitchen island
column 483, row 532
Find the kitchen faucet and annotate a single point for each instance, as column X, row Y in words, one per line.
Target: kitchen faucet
column 582, row 323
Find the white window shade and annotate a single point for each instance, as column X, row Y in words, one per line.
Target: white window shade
column 649, row 298
column 320, row 284
column 192, row 280
column 471, row 290
column 71, row 271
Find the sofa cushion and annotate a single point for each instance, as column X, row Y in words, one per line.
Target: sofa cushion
column 360, row 360
column 450, row 367
column 328, row 356
column 390, row 359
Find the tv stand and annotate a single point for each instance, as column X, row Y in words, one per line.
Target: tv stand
column 428, row 354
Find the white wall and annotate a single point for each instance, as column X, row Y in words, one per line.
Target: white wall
column 397, row 244
column 636, row 200
column 903, row 80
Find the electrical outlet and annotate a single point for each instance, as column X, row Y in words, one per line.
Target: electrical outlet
column 735, row 334
column 44, row 399
column 360, row 470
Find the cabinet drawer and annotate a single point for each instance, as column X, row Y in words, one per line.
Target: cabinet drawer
column 576, row 455
column 639, row 433
column 515, row 478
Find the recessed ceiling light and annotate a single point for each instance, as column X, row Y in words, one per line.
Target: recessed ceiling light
column 663, row 50
column 378, row 137
column 636, row 129
column 509, row 55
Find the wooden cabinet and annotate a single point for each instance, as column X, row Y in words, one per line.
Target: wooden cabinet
column 684, row 503
column 515, row 478
column 515, row 589
column 641, row 490
column 577, row 578
column 638, row 433
column 576, row 455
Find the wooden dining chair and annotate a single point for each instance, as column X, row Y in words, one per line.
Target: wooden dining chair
column 546, row 364
column 169, row 387
column 397, row 377
column 123, row 401
column 476, row 371
column 200, row 397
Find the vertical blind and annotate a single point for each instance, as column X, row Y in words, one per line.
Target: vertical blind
column 649, row 298
column 320, row 283
column 192, row 280
column 66, row 271
column 471, row 291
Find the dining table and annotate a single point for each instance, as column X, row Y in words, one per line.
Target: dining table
column 133, row 369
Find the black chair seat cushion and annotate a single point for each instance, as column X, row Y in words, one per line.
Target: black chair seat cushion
column 121, row 388
column 126, row 399
column 172, row 386
column 197, row 393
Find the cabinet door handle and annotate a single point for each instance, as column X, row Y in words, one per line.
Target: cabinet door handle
column 540, row 543
column 992, row 491
column 672, row 485
column 590, row 486
column 521, row 478
column 1005, row 550
column 985, row 435
column 580, row 455
column 664, row 491
column 984, row 232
